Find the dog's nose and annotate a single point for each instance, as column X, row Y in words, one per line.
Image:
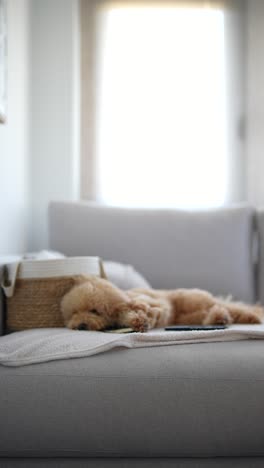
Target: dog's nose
column 82, row 326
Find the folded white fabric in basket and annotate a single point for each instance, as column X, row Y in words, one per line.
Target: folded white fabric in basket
column 47, row 344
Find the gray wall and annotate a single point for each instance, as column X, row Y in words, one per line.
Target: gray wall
column 14, row 136
column 54, row 117
column 39, row 154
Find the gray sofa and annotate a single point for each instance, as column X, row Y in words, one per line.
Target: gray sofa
column 195, row 405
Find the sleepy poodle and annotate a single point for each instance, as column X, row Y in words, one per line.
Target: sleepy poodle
column 96, row 304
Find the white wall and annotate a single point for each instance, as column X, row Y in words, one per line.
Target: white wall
column 14, row 136
column 255, row 102
column 26, row 187
column 54, row 109
column 53, row 170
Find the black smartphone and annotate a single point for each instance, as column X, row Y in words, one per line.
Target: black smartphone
column 194, row 327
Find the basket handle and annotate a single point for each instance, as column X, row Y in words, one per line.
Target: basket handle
column 9, row 278
column 102, row 270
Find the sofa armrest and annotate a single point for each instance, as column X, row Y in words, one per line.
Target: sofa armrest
column 4, row 260
column 260, row 255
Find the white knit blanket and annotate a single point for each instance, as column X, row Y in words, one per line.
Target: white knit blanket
column 49, row 344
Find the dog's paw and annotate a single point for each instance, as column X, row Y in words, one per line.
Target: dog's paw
column 249, row 317
column 135, row 319
column 218, row 315
column 140, row 324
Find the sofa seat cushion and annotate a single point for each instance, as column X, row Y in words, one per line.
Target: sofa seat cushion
column 189, row 400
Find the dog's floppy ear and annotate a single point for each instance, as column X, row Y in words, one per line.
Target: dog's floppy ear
column 76, row 297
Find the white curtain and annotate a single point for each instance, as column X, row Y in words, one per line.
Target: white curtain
column 164, row 113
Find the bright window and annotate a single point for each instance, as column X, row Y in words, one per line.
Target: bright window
column 161, row 107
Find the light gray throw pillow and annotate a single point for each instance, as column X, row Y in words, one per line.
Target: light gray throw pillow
column 124, row 276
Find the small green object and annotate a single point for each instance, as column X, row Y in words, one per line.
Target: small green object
column 120, row 330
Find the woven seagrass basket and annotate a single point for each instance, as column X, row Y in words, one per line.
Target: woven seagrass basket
column 34, row 289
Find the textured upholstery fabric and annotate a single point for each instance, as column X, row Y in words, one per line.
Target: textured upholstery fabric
column 202, row 400
column 245, row 462
column 260, row 267
column 2, row 313
column 211, row 249
column 2, row 303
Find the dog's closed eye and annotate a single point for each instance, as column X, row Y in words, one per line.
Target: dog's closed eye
column 94, row 311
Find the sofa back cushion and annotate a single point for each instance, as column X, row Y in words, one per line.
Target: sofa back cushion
column 172, row 248
column 260, row 254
